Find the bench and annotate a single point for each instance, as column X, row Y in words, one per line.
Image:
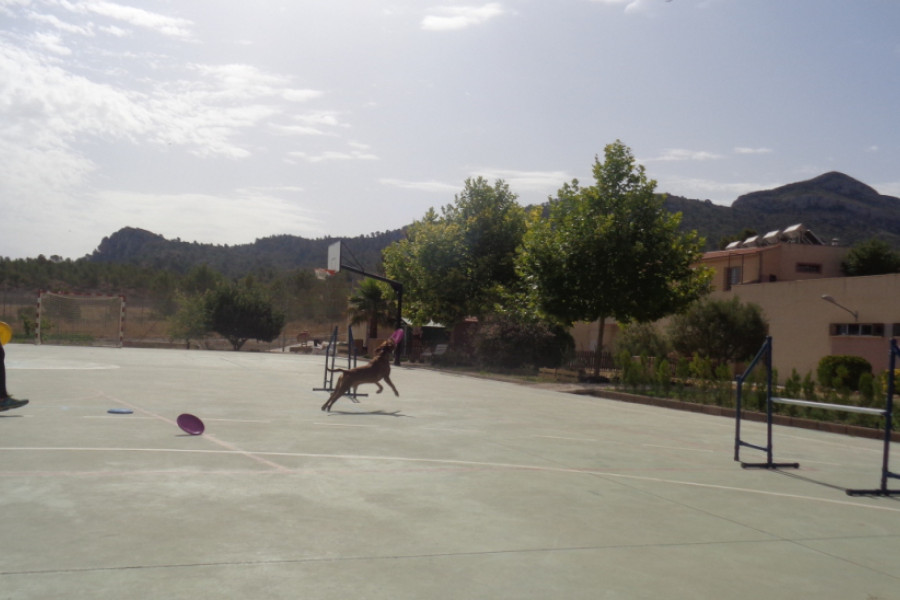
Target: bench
column 439, row 350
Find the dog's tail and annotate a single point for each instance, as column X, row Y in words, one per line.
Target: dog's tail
column 337, row 370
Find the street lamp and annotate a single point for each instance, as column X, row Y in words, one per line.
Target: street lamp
column 828, row 298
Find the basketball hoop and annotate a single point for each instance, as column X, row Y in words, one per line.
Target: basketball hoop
column 323, row 273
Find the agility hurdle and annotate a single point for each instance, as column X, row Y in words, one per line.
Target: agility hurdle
column 764, row 358
column 331, row 358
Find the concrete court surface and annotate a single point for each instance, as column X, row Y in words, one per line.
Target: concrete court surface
column 460, row 488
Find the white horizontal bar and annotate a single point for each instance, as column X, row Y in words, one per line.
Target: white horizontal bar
column 824, row 405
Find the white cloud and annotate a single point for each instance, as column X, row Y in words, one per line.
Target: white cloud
column 631, row 6
column 51, row 43
column 115, row 31
column 333, row 155
column 423, row 186
column 449, row 18
column 746, row 150
column 206, row 113
column 682, row 154
column 61, row 25
column 137, row 17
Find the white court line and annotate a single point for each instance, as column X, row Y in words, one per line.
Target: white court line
column 24, row 365
column 208, row 436
column 548, row 469
column 153, row 418
column 120, row 417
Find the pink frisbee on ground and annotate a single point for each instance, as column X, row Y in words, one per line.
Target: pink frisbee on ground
column 190, row 424
column 397, row 336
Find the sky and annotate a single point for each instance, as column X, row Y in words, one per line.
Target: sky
column 224, row 122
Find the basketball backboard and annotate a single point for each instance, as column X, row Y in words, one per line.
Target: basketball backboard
column 334, row 257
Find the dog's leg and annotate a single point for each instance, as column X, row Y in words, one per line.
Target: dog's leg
column 379, row 387
column 387, row 380
column 337, row 393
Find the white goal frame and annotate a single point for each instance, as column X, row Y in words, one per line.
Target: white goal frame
column 82, row 326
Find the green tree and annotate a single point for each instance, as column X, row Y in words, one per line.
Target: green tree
column 642, row 339
column 871, row 257
column 720, row 330
column 373, row 304
column 190, row 320
column 461, row 262
column 611, row 250
column 201, row 279
column 241, row 311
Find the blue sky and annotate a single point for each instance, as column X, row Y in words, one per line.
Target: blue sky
column 223, row 122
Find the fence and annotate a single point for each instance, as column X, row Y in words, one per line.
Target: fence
column 588, row 360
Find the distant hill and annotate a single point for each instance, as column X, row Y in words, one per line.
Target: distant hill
column 282, row 252
column 833, row 205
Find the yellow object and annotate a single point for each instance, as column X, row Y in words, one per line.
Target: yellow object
column 5, row 333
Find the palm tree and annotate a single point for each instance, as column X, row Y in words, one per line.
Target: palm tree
column 372, row 303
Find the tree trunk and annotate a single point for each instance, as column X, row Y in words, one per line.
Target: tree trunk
column 599, row 351
column 373, row 327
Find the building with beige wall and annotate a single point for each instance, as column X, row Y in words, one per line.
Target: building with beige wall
column 787, row 273
column 769, row 264
column 804, row 327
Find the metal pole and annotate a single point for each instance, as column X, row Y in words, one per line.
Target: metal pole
column 888, row 418
column 397, row 286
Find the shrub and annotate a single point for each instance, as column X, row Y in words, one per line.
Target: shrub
column 793, row 386
column 510, row 342
column 722, row 330
column 842, row 371
column 642, row 338
column 664, row 376
column 867, row 388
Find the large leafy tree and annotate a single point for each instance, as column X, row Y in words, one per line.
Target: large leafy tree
column 611, row 250
column 871, row 257
column 190, row 321
column 459, row 263
column 722, row 330
column 241, row 311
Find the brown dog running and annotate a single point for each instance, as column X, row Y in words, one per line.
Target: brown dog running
column 378, row 368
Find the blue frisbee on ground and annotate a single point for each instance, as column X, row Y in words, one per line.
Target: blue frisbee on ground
column 120, row 411
column 190, row 424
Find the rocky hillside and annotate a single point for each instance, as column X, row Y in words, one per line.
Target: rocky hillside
column 833, row 205
column 143, row 248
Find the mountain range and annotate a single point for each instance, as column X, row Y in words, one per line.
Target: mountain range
column 833, row 205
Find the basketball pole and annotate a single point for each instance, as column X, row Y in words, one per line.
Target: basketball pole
column 398, row 289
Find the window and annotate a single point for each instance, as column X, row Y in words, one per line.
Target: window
column 809, row 268
column 732, row 277
column 859, row 329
